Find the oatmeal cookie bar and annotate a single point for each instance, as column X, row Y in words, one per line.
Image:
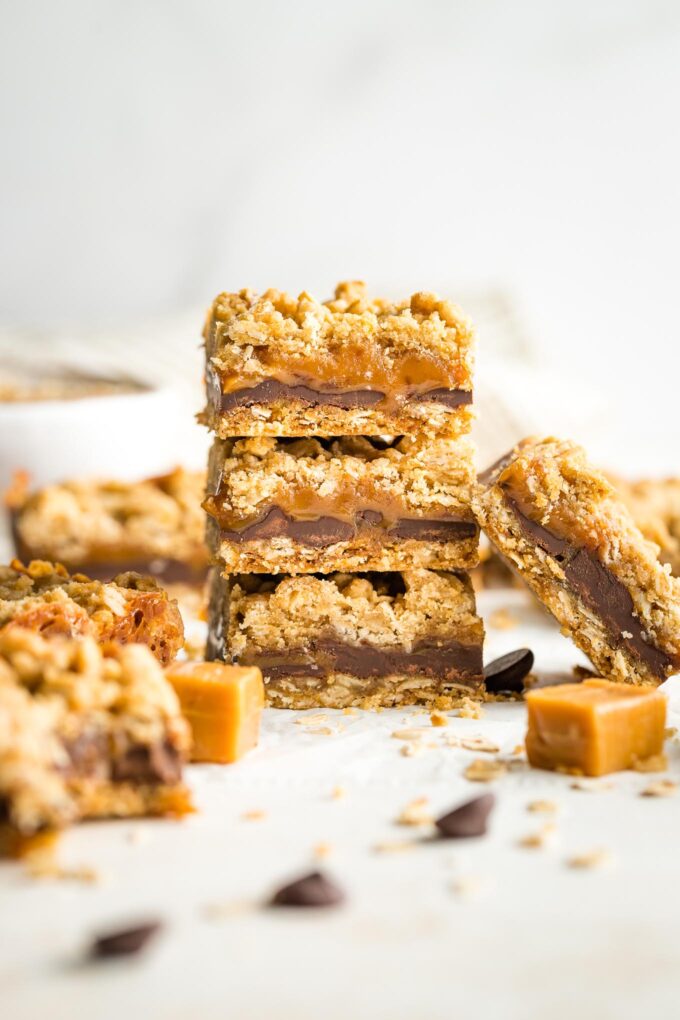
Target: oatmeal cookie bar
column 277, row 365
column 44, row 597
column 105, row 527
column 567, row 532
column 369, row 639
column 86, row 731
column 355, row 503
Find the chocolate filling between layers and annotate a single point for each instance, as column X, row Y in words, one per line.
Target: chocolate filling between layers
column 600, row 590
column 270, row 390
column 450, row 661
column 327, row 530
column 92, row 756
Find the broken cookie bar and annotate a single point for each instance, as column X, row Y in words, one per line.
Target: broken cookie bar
column 105, row 527
column 277, row 365
column 44, row 597
column 353, row 503
column 567, row 532
column 336, row 640
column 86, row 731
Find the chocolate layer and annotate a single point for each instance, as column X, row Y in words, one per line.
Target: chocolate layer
column 271, row 389
column 327, row 530
column 448, row 661
column 600, row 590
column 93, row 755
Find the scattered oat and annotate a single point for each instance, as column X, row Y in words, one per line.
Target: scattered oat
column 256, row 815
column 338, row 792
column 482, row 770
column 410, row 750
column 542, row 807
column 537, row 840
column 591, row 859
column 229, row 908
column 139, row 835
column 409, row 734
column 439, row 719
column 315, row 719
column 660, row 788
column 656, row 763
column 471, row 886
column 670, row 732
column 46, row 866
column 394, row 846
column 519, row 749
column 470, row 709
column 590, row 785
column 415, row 813
column 322, row 850
column 502, row 619
column 479, row 743
column 451, row 740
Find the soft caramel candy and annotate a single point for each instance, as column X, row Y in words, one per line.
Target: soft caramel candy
column 594, row 727
column 222, row 704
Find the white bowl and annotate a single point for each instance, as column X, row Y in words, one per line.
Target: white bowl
column 122, row 435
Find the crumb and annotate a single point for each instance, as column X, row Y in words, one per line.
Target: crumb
column 519, row 749
column 590, row 786
column 338, row 792
column 481, row 770
column 255, row 815
column 393, row 846
column 41, row 865
column 350, row 710
column 314, row 719
column 540, row 838
column 592, row 859
column 478, row 743
column 670, row 732
column 229, row 908
column 502, row 619
column 415, row 813
column 470, row 709
column 410, row 750
column 660, row 788
column 322, row 850
column 438, row 719
column 657, row 763
column 542, row 807
column 410, row 734
column 471, row 886
column 139, row 835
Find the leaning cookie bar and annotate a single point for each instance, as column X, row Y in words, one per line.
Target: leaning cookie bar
column 354, row 503
column 283, row 366
column 86, row 731
column 44, row 597
column 339, row 640
column 567, row 532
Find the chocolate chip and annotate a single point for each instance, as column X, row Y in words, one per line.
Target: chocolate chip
column 313, row 890
column 467, row 820
column 508, row 672
column 125, row 942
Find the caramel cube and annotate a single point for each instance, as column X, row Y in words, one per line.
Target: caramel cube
column 594, row 727
column 222, row 704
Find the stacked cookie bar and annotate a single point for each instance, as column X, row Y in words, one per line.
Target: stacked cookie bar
column 339, row 497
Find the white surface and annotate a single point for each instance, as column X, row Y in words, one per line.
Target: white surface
column 542, row 941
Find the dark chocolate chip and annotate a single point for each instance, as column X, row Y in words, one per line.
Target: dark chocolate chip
column 125, row 942
column 467, row 820
column 313, row 890
column 508, row 672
